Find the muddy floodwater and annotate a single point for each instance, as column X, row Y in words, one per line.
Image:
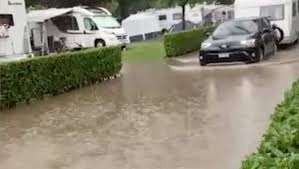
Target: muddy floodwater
column 154, row 116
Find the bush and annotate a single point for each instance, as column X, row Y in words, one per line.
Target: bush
column 35, row 78
column 181, row 43
column 280, row 146
column 258, row 161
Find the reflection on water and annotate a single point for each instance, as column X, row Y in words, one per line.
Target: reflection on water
column 150, row 118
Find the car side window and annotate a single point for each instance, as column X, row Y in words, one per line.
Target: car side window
column 267, row 22
column 90, row 24
column 264, row 25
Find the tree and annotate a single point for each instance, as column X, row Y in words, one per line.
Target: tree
column 127, row 7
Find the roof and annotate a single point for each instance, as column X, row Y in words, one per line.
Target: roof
column 248, row 18
column 251, row 3
column 43, row 15
column 140, row 16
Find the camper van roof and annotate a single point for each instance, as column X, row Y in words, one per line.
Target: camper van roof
column 43, row 15
column 97, row 10
column 249, row 18
column 251, row 3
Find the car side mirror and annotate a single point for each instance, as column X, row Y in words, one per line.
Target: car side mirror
column 208, row 34
column 266, row 30
column 274, row 26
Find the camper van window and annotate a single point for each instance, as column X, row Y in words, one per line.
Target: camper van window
column 274, row 12
column 162, row 17
column 177, row 16
column 6, row 19
column 66, row 23
column 90, row 24
column 294, row 9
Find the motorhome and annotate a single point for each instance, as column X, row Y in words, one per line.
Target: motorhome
column 141, row 27
column 108, row 24
column 169, row 17
column 283, row 13
column 14, row 37
column 53, row 30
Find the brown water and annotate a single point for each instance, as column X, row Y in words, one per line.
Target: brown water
column 153, row 117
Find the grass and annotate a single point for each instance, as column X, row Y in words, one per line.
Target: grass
column 145, row 51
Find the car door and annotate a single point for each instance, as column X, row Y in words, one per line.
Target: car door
column 267, row 36
column 90, row 31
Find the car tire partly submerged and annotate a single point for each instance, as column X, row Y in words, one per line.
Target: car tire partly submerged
column 202, row 63
column 275, row 49
column 259, row 56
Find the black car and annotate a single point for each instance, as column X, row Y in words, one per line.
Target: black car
column 246, row 40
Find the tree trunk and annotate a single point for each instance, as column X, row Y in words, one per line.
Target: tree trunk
column 184, row 16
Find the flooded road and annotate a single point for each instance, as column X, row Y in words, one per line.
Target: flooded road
column 153, row 117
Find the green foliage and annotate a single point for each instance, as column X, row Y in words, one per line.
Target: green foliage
column 35, row 78
column 180, row 43
column 280, row 146
column 259, row 161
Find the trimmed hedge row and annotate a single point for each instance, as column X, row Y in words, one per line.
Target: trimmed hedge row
column 181, row 43
column 280, row 146
column 35, row 78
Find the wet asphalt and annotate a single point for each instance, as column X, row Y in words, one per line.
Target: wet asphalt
column 157, row 115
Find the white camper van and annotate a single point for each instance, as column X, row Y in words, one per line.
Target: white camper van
column 54, row 29
column 108, row 24
column 14, row 37
column 283, row 13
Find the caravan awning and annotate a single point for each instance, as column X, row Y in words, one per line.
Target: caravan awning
column 43, row 15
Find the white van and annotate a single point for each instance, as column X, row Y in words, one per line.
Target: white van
column 108, row 24
column 14, row 37
column 283, row 13
column 73, row 28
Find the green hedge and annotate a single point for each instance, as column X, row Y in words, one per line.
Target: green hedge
column 181, row 43
column 280, row 146
column 35, row 78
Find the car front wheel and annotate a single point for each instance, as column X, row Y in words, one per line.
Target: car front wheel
column 259, row 56
column 275, row 49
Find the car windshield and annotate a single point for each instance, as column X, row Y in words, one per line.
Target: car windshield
column 235, row 28
column 106, row 22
